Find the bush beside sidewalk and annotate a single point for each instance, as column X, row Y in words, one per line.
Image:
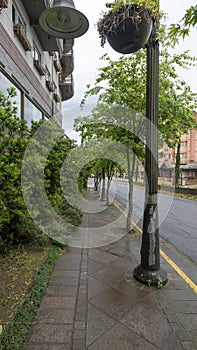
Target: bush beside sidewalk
column 16, row 331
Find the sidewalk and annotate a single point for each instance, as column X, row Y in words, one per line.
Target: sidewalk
column 91, row 304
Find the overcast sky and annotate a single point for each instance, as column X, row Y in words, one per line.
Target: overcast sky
column 87, row 52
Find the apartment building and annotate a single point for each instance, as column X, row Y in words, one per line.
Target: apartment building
column 188, row 159
column 39, row 66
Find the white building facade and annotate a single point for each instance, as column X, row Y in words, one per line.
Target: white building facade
column 38, row 66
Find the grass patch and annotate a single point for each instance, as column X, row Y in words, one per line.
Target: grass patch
column 16, row 331
column 16, row 273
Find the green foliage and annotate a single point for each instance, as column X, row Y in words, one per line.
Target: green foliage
column 159, row 283
column 123, row 82
column 121, row 87
column 16, row 225
column 182, row 29
column 15, row 333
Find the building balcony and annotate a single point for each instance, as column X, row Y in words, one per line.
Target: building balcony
column 66, row 87
column 57, row 65
column 68, row 45
column 50, row 85
column 56, row 97
column 21, row 35
column 67, row 61
column 39, row 67
column 48, row 43
column 3, row 4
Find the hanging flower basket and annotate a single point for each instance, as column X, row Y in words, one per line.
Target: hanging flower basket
column 127, row 27
column 129, row 37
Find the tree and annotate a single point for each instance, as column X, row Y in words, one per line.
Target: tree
column 124, row 128
column 122, row 84
column 16, row 224
column 182, row 29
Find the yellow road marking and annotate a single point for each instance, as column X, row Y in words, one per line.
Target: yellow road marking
column 191, row 284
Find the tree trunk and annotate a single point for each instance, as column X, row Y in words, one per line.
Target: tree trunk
column 96, row 181
column 136, row 170
column 130, row 196
column 177, row 165
column 103, row 186
column 109, row 179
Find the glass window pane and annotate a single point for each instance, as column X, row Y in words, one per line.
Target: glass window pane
column 4, row 85
column 31, row 112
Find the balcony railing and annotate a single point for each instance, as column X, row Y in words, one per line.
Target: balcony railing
column 67, row 61
column 3, row 4
column 39, row 67
column 56, row 97
column 67, row 45
column 50, row 85
column 67, row 87
column 21, row 35
column 57, row 65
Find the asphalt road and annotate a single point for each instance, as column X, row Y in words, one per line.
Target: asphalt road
column 177, row 217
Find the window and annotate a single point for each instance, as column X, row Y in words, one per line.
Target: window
column 183, row 155
column 55, row 87
column 4, row 85
column 16, row 17
column 49, row 83
column 192, row 174
column 19, row 28
column 36, row 53
column 37, row 60
column 31, row 112
column 47, row 74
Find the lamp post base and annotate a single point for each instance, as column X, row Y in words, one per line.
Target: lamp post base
column 150, row 278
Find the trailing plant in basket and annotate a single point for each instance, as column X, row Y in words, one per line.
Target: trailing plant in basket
column 132, row 11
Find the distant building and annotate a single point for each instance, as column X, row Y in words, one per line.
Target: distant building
column 188, row 159
column 37, row 65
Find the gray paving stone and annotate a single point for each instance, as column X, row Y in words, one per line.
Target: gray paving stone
column 65, row 273
column 101, row 257
column 41, row 333
column 172, row 343
column 187, row 345
column 189, row 321
column 55, row 316
column 61, row 290
column 132, row 289
column 120, row 338
column 179, row 294
column 64, row 281
column 98, row 323
column 183, row 306
column 55, row 302
column 147, row 320
column 95, row 287
column 114, row 303
column 93, row 297
column 94, row 266
column 47, row 346
column 110, row 273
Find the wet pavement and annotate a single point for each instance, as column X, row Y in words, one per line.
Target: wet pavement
column 93, row 302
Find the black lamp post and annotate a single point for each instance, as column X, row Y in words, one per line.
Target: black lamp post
column 149, row 271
